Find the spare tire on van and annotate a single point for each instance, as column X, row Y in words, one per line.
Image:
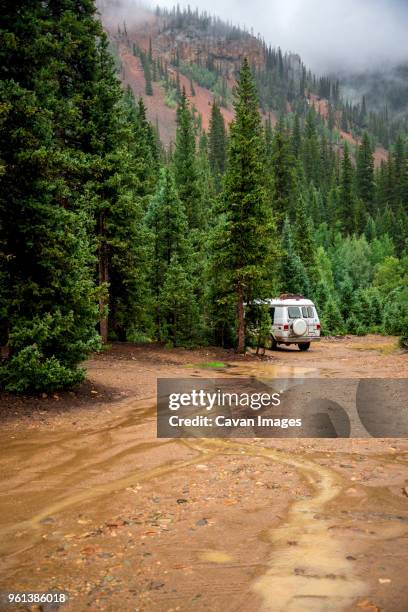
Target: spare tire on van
column 299, row 327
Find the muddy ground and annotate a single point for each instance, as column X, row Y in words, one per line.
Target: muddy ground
column 92, row 503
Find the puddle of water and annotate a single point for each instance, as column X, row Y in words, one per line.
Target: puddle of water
column 47, row 472
column 215, row 556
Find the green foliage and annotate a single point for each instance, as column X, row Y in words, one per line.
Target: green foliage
column 217, row 144
column 185, row 163
column 200, row 74
column 347, row 201
column 365, row 174
column 304, row 243
column 49, row 304
column 35, row 363
column 293, row 275
column 242, row 259
column 265, row 326
column 391, row 274
column 310, row 149
column 175, row 302
column 180, row 319
column 283, row 175
column 168, row 225
column 331, row 320
column 396, row 314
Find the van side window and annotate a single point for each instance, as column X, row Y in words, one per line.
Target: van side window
column 304, row 312
column 311, row 312
column 294, row 312
column 272, row 314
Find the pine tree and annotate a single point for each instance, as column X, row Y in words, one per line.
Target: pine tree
column 126, row 239
column 331, row 320
column 49, row 301
column 310, row 149
column 217, row 144
column 150, row 53
column 283, row 174
column 243, row 255
column 363, row 112
column 296, row 139
column 400, row 178
column 346, row 193
column 168, row 224
column 147, row 75
column 185, row 164
column 118, row 193
column 293, row 275
column 304, row 242
column 180, row 319
column 365, row 174
column 268, row 137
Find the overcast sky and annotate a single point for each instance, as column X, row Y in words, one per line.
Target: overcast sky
column 327, row 33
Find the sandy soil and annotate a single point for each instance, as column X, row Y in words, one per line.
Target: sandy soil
column 94, row 504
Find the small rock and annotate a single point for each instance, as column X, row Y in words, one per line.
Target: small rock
column 181, row 500
column 202, row 522
column 47, row 520
column 156, row 585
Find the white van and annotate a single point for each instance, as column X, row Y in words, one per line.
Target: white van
column 294, row 320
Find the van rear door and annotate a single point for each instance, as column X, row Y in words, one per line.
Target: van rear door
column 310, row 316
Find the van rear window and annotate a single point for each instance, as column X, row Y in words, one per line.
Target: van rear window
column 307, row 312
column 294, row 312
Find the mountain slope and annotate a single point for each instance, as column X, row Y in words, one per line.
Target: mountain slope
column 203, row 55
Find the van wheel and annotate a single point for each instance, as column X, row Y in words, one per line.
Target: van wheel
column 305, row 346
column 274, row 344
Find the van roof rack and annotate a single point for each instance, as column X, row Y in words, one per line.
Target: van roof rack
column 291, row 296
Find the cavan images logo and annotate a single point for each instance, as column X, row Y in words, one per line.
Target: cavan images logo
column 282, row 408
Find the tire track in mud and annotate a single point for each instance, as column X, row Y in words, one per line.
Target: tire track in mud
column 313, row 574
column 34, row 523
column 308, row 569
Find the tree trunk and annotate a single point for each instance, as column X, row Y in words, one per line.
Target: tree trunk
column 103, row 277
column 241, row 320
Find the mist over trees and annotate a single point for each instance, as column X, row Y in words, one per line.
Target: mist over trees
column 106, row 236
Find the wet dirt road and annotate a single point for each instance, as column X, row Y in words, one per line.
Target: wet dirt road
column 93, row 504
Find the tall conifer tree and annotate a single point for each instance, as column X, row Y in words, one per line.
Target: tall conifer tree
column 48, row 301
column 217, row 143
column 365, row 174
column 185, row 163
column 245, row 243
